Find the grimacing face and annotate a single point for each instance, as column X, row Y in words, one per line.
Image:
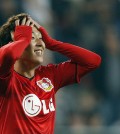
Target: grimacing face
column 34, row 52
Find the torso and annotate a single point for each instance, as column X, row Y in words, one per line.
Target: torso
column 28, row 106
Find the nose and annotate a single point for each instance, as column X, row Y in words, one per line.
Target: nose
column 40, row 43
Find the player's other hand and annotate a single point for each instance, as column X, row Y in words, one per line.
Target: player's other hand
column 24, row 22
column 36, row 24
column 45, row 36
column 23, row 29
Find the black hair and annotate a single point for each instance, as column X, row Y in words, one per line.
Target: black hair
column 8, row 27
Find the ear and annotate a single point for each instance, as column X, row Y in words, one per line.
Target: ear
column 12, row 35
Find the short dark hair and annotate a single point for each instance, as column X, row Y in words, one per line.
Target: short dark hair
column 6, row 28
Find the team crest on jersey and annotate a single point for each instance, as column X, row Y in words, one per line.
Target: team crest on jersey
column 45, row 84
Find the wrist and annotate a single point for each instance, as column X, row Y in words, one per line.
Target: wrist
column 46, row 38
column 49, row 42
column 23, row 32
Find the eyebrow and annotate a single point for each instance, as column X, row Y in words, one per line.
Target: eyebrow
column 37, row 36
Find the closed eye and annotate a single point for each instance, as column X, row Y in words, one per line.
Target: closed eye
column 33, row 37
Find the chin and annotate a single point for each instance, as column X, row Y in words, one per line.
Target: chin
column 39, row 61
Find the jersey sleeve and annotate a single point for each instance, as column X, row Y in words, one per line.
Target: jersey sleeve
column 10, row 52
column 67, row 73
column 81, row 61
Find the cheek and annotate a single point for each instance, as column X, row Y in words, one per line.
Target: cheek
column 32, row 43
column 43, row 44
column 30, row 49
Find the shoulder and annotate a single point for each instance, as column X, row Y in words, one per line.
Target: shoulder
column 48, row 67
column 53, row 67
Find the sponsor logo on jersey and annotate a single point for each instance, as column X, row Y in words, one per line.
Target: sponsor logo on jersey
column 32, row 105
column 45, row 84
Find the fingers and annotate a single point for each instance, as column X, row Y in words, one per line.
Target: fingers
column 17, row 22
column 25, row 21
column 28, row 22
column 35, row 23
column 32, row 24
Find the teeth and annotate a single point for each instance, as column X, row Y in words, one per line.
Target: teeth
column 39, row 51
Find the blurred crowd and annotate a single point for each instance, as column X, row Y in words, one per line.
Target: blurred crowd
column 94, row 25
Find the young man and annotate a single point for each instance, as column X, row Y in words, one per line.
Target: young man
column 27, row 89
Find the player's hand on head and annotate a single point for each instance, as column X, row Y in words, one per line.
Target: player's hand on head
column 23, row 28
column 17, row 22
column 24, row 22
column 36, row 24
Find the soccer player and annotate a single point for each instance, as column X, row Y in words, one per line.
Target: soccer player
column 27, row 89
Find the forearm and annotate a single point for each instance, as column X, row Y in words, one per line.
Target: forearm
column 76, row 54
column 13, row 51
column 10, row 53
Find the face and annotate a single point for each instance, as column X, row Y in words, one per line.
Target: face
column 34, row 52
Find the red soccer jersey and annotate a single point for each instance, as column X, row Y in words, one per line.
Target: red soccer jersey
column 27, row 106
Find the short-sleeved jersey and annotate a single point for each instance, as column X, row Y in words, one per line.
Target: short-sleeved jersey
column 28, row 106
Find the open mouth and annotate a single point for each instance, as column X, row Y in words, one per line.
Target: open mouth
column 38, row 51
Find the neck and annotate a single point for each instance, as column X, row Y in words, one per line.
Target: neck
column 25, row 68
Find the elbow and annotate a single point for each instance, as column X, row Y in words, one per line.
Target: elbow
column 97, row 61
column 94, row 62
column 11, row 55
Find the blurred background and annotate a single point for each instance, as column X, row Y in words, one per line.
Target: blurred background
column 91, row 107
